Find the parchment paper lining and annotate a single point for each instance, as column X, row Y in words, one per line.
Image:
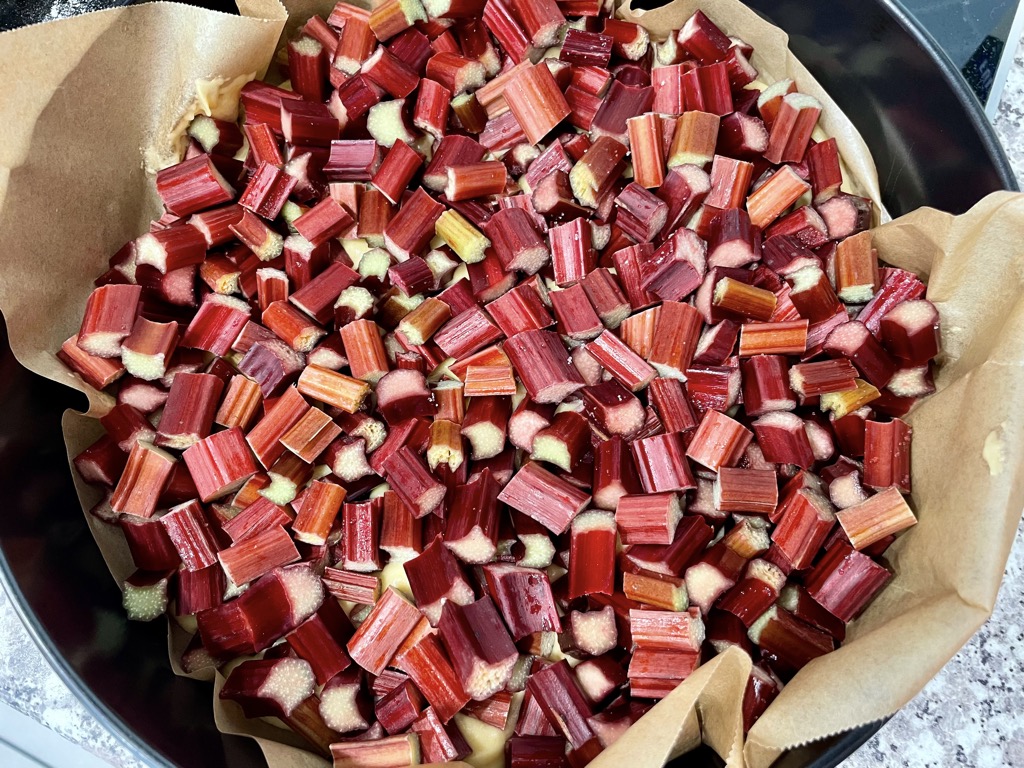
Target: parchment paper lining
column 91, row 98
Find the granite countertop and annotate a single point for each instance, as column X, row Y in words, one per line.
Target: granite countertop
column 967, row 715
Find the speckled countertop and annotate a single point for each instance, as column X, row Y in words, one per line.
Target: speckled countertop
column 969, row 715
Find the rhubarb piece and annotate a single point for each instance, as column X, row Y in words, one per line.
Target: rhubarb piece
column 791, row 128
column 410, row 230
column 535, row 751
column 897, row 287
column 390, row 73
column 311, row 435
column 809, row 379
column 320, row 506
column 257, row 555
column 472, row 180
column 431, row 671
column 614, row 473
column 648, row 519
column 271, row 286
column 333, row 388
column 540, row 361
column 594, row 632
column 399, row 708
column 782, row 338
column 359, row 588
column 523, row 595
column 479, row 646
column 667, row 630
column 110, row 319
column 882, row 515
column 677, row 267
column 462, row 237
column 746, row 490
column 216, row 325
column 887, row 455
column 627, row 367
column 389, row 19
column 250, row 230
column 439, row 742
column 352, row 160
column 436, row 577
column 432, row 106
column 717, row 571
column 592, row 554
column 719, row 441
column 517, row 244
column 696, row 132
column 856, row 269
column 563, row 442
column 127, row 426
column 412, row 481
column 445, row 446
column 542, row 21
column 257, row 516
column 775, row 196
column 824, row 169
column 657, row 590
column 521, row 309
column 102, row 462
column 388, row 751
column 264, row 438
column 606, row 296
column 910, row 331
column 240, row 403
column 730, row 180
column 344, row 706
column 145, row 474
column 576, row 317
column 584, row 48
column 854, row 341
column 456, row 73
column 791, row 642
column 595, row 173
column 292, row 326
column 572, row 251
column 320, row 640
column 189, row 532
column 676, row 334
column 806, row 519
column 534, row 98
column 841, row 404
column 471, row 528
column 360, row 535
column 485, row 425
column 192, row 185
column 272, row 365
column 783, row 439
column 766, row 385
column 613, row 409
column 742, row 300
column 755, row 592
column 267, row 191
column 367, row 359
column 382, row 632
column 762, row 689
column 545, row 497
column 662, row 466
column 269, row 687
column 167, row 251
column 640, row 214
column 844, row 581
column 555, row 689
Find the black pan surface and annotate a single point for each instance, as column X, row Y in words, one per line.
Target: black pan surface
column 931, row 142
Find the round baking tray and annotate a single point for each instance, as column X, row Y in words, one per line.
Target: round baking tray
column 931, row 143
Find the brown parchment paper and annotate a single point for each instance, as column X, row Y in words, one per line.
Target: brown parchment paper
column 93, row 101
